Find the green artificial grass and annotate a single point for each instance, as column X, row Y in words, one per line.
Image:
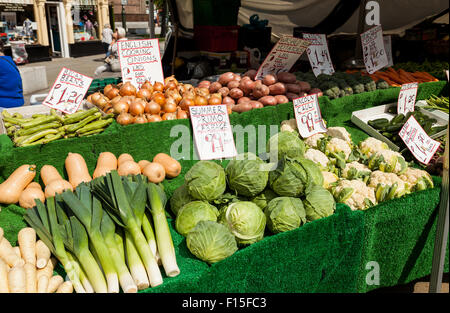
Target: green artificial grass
column 327, row 255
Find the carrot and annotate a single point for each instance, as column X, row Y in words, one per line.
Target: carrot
column 406, row 74
column 30, row 277
column 4, row 287
column 54, row 283
column 27, row 244
column 42, row 284
column 65, row 287
column 428, row 75
column 8, row 255
column 17, row 279
column 42, row 254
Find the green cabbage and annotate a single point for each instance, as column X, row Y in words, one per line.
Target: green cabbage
column 319, row 202
column 313, row 171
column 179, row 198
column 264, row 197
column 211, row 242
column 284, row 214
column 287, row 144
column 192, row 213
column 205, row 181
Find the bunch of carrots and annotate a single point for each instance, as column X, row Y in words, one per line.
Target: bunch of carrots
column 398, row 77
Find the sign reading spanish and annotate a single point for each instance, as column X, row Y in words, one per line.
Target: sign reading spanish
column 140, row 60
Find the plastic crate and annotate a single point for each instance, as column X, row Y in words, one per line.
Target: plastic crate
column 99, row 84
column 216, row 12
column 216, row 38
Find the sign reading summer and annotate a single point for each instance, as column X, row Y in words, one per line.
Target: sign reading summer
column 373, row 49
column 407, row 98
column 68, row 91
column 418, row 142
column 213, row 136
column 318, row 54
column 140, row 60
column 283, row 56
column 308, row 117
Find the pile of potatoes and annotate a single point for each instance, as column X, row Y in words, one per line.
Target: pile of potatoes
column 244, row 93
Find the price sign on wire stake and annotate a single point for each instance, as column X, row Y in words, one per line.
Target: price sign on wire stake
column 407, row 98
column 68, row 91
column 283, row 56
column 388, row 48
column 308, row 117
column 318, row 54
column 140, row 60
column 417, row 140
column 213, row 136
column 373, row 49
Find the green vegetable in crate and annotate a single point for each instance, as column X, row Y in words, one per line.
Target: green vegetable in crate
column 285, row 143
column 318, row 202
column 356, row 170
column 290, row 178
column 245, row 220
column 264, row 198
column 284, row 214
column 179, row 198
column 438, row 103
column 387, row 186
column 246, row 174
column 211, row 242
column 192, row 213
column 417, row 179
column 387, row 161
column 354, row 193
column 225, row 200
column 206, row 180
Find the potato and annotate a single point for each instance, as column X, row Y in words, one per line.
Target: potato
column 305, row 86
column 243, row 99
column 277, row 89
column 224, row 91
column 242, row 107
column 237, row 77
column 256, row 104
column 294, row 88
column 214, row 87
column 291, row 96
column 246, row 85
column 281, row 99
column 225, row 78
column 316, row 90
column 260, row 90
column 236, row 93
column 204, row 84
column 268, row 100
column 228, row 100
column 287, row 78
column 250, row 73
column 233, row 84
column 269, row 80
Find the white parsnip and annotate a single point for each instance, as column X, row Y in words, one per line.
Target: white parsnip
column 17, row 251
column 27, row 244
column 17, row 280
column 4, row 288
column 42, row 254
column 54, row 283
column 8, row 255
column 30, row 275
column 42, row 284
column 47, row 270
column 1, row 233
column 65, row 287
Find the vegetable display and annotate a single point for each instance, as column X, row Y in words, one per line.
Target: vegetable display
column 30, row 268
column 434, row 68
column 399, row 76
column 44, row 128
column 437, row 103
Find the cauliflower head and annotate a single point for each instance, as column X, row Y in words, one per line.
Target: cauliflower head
column 317, row 157
column 312, row 140
column 289, row 125
column 372, row 145
column 388, row 161
column 417, row 179
column 336, row 145
column 329, row 179
column 387, row 186
column 355, row 194
column 356, row 170
column 341, row 133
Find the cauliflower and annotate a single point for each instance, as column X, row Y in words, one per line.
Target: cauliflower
column 341, row 133
column 388, row 161
column 328, row 179
column 289, row 125
column 387, row 185
column 317, row 157
column 372, row 145
column 312, row 140
column 355, row 194
column 417, row 179
column 336, row 145
column 356, row 170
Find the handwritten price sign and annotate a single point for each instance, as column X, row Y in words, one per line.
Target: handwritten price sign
column 212, row 132
column 140, row 60
column 418, row 142
column 68, row 91
column 307, row 114
column 373, row 49
column 407, row 98
column 318, row 54
column 283, row 56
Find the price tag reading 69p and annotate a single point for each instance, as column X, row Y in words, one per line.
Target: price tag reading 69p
column 68, row 91
column 307, row 114
column 418, row 142
column 212, row 132
column 407, row 98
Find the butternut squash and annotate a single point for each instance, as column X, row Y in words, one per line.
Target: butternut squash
column 155, row 172
column 171, row 166
column 34, row 184
column 128, row 168
column 76, row 169
column 49, row 173
column 106, row 163
column 142, row 164
column 28, row 196
column 57, row 186
column 13, row 186
column 124, row 157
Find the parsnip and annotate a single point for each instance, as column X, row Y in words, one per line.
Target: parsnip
column 30, row 275
column 47, row 270
column 65, row 287
column 27, row 244
column 42, row 254
column 17, row 280
column 54, row 283
column 4, row 288
column 8, row 255
column 17, row 251
column 1, row 234
column 42, row 284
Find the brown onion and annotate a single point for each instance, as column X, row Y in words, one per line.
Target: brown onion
column 109, row 110
column 214, row 100
column 136, row 108
column 228, row 100
column 186, row 103
column 233, row 84
column 170, row 79
column 154, row 118
column 95, row 97
column 144, row 93
column 169, row 116
column 112, row 93
column 225, row 78
column 115, row 100
column 214, row 87
column 158, row 87
column 121, row 106
column 170, row 107
column 127, row 89
column 125, row 118
column 147, row 85
column 107, row 88
column 204, row 84
column 102, row 102
column 140, row 119
column 152, row 107
column 159, row 98
column 199, row 100
column 173, row 93
column 170, row 86
column 181, row 114
column 202, row 91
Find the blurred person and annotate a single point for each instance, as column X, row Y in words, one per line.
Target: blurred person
column 112, row 61
column 11, row 91
column 107, row 37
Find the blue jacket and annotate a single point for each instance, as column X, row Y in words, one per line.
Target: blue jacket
column 11, row 92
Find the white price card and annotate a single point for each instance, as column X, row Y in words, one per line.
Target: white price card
column 417, row 140
column 213, row 136
column 308, row 116
column 446, row 72
column 140, row 60
column 68, row 91
column 373, row 49
column 282, row 56
column 388, row 48
column 407, row 98
column 318, row 54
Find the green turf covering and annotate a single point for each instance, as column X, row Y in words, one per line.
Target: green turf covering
column 327, row 255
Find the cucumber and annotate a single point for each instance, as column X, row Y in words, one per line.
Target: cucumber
column 397, row 119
